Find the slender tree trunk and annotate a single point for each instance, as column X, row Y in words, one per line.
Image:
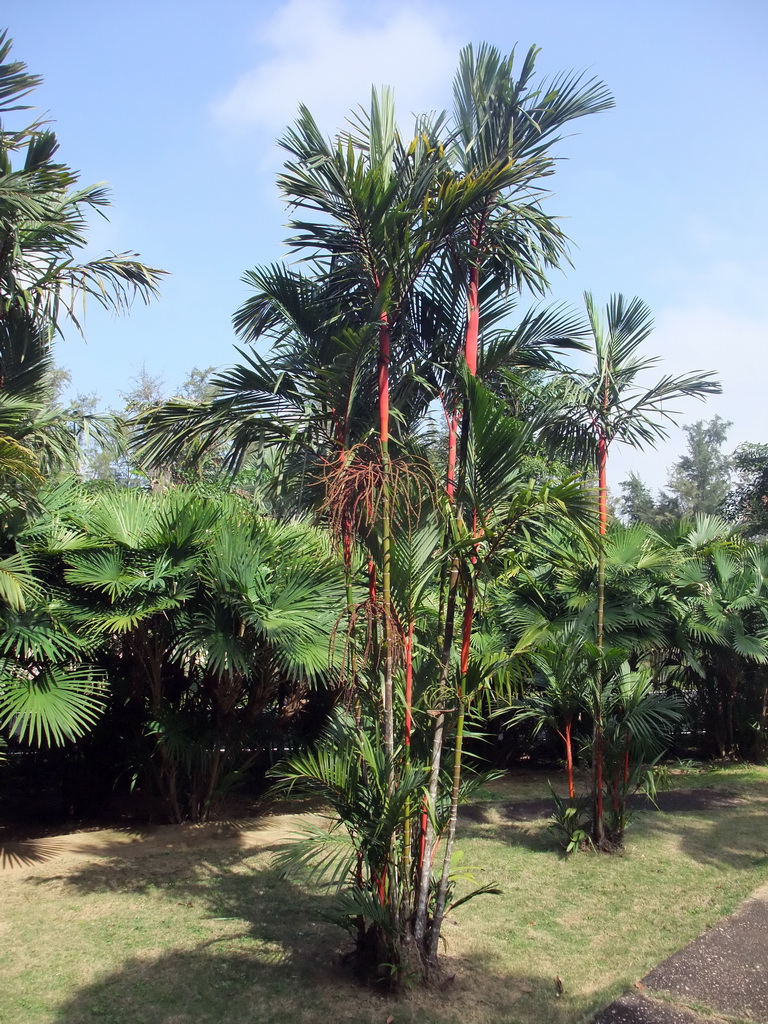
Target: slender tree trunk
column 408, row 728
column 442, row 892
column 450, row 477
column 598, row 820
column 428, row 838
column 602, row 484
column 386, row 542
column 471, row 345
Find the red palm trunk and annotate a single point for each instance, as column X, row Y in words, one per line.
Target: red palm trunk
column 386, row 542
column 473, row 320
column 383, row 381
column 466, row 635
column 569, row 760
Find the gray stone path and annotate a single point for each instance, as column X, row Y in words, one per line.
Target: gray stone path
column 724, row 970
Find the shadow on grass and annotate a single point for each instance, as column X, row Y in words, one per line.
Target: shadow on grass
column 206, row 985
column 714, row 825
column 533, row 836
column 215, row 982
column 271, row 942
column 730, row 836
column 276, row 960
column 25, row 853
column 274, row 957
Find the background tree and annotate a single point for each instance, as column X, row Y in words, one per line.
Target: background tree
column 636, row 504
column 700, row 479
column 747, row 503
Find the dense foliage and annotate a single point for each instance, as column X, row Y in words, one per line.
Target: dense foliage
column 293, row 548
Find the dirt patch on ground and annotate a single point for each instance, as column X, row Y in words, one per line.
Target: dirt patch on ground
column 24, row 855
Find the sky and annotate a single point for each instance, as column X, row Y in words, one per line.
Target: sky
column 177, row 104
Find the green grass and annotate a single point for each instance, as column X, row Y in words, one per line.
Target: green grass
column 213, row 934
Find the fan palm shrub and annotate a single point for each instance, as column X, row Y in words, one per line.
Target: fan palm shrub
column 559, row 695
column 205, row 615
column 639, row 722
column 721, row 629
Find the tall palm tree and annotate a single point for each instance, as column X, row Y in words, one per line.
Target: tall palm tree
column 365, row 340
column 43, row 228
column 503, row 120
column 608, row 403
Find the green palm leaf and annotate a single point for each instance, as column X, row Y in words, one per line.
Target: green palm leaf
column 52, row 707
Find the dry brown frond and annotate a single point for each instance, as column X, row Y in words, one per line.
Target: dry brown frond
column 354, row 490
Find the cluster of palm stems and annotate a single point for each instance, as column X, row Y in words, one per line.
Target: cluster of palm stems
column 592, row 410
column 414, row 252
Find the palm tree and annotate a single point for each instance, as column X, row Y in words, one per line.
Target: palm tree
column 638, row 724
column 512, row 122
column 561, row 691
column 595, row 408
column 365, row 340
column 43, row 221
column 43, row 228
column 499, row 124
column 592, row 409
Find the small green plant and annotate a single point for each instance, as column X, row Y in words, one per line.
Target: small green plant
column 570, row 822
column 687, row 765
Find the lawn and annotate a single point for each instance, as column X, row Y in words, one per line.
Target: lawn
column 196, row 927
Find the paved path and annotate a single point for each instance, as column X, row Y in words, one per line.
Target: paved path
column 723, row 973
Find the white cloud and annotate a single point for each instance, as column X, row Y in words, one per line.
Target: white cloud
column 317, row 53
column 705, row 337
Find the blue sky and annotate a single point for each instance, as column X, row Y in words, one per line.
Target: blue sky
column 177, row 105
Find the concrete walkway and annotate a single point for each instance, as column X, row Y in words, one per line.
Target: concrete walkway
column 723, row 973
